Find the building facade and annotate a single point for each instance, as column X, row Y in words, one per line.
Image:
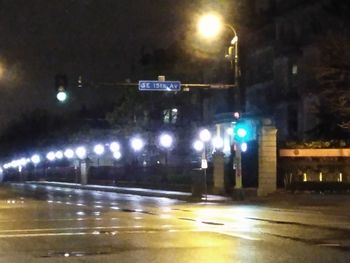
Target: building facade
column 281, row 48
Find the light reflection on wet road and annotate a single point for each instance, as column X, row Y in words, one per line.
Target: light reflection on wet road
column 52, row 223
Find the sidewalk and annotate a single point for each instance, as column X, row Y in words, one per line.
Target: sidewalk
column 335, row 204
column 185, row 196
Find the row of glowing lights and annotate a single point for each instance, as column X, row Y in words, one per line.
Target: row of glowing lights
column 136, row 143
column 166, row 141
column 217, row 142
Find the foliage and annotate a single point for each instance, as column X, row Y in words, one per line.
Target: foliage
column 316, row 144
column 333, row 73
column 333, row 76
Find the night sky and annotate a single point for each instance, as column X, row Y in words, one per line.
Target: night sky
column 98, row 39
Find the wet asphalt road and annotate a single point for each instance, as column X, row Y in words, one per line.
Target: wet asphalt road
column 53, row 224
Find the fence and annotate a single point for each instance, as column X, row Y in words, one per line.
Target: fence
column 314, row 169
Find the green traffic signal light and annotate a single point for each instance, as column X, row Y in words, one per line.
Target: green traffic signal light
column 61, row 96
column 243, row 131
column 61, row 83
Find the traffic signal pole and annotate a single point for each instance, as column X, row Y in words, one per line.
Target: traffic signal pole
column 238, row 166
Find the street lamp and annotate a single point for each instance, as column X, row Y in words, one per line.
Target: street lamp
column 51, row 156
column 205, row 135
column 99, row 149
column 59, row 155
column 166, row 141
column 218, row 143
column 81, row 152
column 114, row 147
column 117, row 155
column 137, row 144
column 198, row 146
column 210, row 26
column 35, row 159
column 69, row 153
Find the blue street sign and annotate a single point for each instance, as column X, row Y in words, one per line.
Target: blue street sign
column 153, row 85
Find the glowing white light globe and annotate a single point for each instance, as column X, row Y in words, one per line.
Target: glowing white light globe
column 59, row 155
column 35, row 159
column 137, row 144
column 23, row 161
column 114, row 147
column 99, row 149
column 117, row 155
column 205, row 135
column 229, row 131
column 69, row 153
column 209, row 25
column 61, row 96
column 51, row 156
column 81, row 152
column 198, row 145
column 244, row 147
column 218, row 142
column 166, row 140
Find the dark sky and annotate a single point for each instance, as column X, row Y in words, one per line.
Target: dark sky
column 94, row 38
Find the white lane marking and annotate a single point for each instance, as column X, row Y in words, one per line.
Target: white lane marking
column 238, row 235
column 75, row 228
column 87, row 233
column 61, row 229
column 45, row 234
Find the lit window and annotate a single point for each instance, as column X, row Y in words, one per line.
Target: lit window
column 170, row 115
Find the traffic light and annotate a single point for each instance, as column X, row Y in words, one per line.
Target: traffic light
column 80, row 82
column 244, row 131
column 61, row 83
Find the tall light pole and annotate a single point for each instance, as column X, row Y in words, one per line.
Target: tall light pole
column 210, row 26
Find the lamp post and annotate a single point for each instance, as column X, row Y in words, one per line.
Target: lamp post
column 205, row 137
column 166, row 142
column 210, row 26
column 99, row 149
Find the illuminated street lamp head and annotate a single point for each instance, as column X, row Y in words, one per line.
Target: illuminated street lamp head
column 35, row 159
column 166, row 140
column 244, row 147
column 198, row 145
column 205, row 135
column 209, row 25
column 218, row 142
column 117, row 155
column 229, row 131
column 51, row 156
column 137, row 144
column 114, row 147
column 81, row 152
column 99, row 149
column 59, row 155
column 69, row 153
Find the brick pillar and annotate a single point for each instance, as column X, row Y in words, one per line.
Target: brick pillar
column 267, row 159
column 219, row 173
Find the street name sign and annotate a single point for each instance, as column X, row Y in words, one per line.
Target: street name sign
column 153, row 85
